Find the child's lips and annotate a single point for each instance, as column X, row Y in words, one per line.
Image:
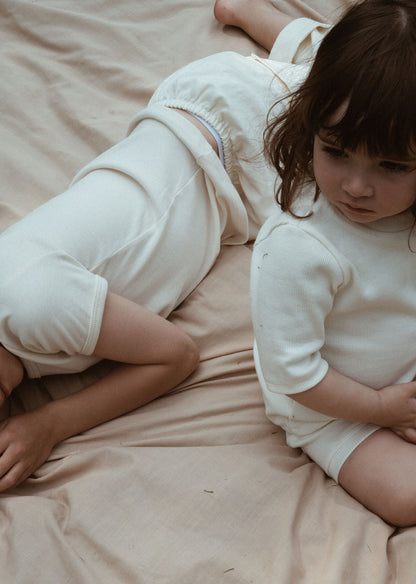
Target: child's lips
column 4, row 390
column 356, row 209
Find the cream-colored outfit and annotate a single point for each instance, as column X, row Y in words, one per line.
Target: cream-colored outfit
column 328, row 291
column 146, row 218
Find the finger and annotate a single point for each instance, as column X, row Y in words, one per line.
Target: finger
column 11, row 455
column 410, row 388
column 398, row 432
column 8, row 435
column 407, row 391
column 16, row 473
column 7, row 461
column 408, row 434
column 14, row 476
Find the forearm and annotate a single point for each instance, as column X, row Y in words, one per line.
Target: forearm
column 124, row 389
column 339, row 396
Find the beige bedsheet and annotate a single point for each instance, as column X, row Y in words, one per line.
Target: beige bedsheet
column 198, row 486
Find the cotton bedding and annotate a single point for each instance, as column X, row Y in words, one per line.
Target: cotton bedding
column 198, row 486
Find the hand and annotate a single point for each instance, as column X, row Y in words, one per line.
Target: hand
column 25, row 444
column 397, row 409
column 408, row 434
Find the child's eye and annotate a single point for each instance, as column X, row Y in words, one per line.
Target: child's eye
column 394, row 166
column 334, row 152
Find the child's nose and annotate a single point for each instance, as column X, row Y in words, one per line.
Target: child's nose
column 358, row 185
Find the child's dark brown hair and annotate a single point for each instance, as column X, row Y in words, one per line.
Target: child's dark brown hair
column 366, row 62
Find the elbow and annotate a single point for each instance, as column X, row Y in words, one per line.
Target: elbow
column 191, row 358
column 186, row 358
column 400, row 511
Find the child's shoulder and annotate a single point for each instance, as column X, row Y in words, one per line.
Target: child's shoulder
column 278, row 219
column 292, row 250
column 306, row 238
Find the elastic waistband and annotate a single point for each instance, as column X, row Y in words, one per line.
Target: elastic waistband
column 215, row 135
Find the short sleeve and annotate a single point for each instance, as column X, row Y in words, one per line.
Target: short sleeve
column 294, row 278
column 299, row 41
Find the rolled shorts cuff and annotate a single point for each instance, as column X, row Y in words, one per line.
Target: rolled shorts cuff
column 333, row 444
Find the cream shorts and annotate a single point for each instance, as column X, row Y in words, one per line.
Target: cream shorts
column 327, row 441
column 143, row 222
column 332, row 444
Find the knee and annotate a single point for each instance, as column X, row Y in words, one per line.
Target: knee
column 400, row 511
column 187, row 357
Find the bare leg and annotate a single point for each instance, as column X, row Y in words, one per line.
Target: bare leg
column 156, row 356
column 260, row 19
column 381, row 474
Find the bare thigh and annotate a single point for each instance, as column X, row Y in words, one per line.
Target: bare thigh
column 381, row 474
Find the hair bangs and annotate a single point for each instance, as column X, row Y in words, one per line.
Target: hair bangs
column 376, row 114
column 369, row 95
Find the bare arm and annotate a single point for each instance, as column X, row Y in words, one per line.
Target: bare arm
column 341, row 397
column 156, row 356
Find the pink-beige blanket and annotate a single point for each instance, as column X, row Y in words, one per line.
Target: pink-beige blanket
column 197, row 487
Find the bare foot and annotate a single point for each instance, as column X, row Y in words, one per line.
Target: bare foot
column 11, row 373
column 260, row 19
column 232, row 12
